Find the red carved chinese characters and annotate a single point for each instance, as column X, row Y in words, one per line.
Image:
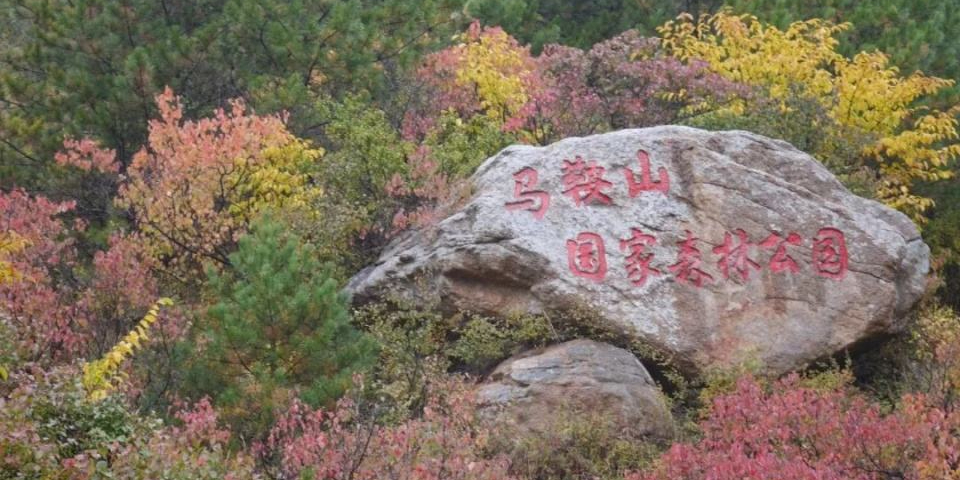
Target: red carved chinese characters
column 535, row 201
column 735, row 255
column 587, row 256
column 646, row 183
column 781, row 261
column 638, row 264
column 830, row 253
column 584, row 182
column 687, row 269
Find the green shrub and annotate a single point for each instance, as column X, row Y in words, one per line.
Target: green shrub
column 483, row 342
column 576, row 446
column 48, row 428
column 279, row 328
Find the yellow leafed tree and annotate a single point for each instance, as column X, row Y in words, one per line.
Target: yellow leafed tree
column 103, row 375
column 865, row 93
column 498, row 68
column 277, row 182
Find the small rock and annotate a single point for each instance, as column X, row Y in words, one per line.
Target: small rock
column 579, row 377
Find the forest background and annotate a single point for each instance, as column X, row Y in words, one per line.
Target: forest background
column 185, row 186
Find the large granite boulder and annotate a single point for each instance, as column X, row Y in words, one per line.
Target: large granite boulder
column 579, row 379
column 712, row 247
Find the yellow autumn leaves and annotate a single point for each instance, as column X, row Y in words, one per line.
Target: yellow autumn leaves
column 10, row 242
column 865, row 93
column 498, row 67
column 745, row 50
column 278, row 181
column 103, row 375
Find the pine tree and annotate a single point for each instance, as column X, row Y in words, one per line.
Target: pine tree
column 579, row 24
column 280, row 327
column 91, row 68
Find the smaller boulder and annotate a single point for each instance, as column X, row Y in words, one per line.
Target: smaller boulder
column 531, row 391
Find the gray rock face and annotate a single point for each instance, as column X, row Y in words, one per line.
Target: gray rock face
column 713, row 247
column 575, row 378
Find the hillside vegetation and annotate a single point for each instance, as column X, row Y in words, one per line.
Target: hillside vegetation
column 186, row 186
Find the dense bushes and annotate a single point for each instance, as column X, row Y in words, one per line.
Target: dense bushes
column 117, row 192
column 58, row 304
column 50, row 429
column 446, row 442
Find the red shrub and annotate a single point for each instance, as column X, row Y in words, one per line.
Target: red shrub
column 442, row 444
column 793, row 432
column 624, row 82
column 55, row 309
column 34, row 304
